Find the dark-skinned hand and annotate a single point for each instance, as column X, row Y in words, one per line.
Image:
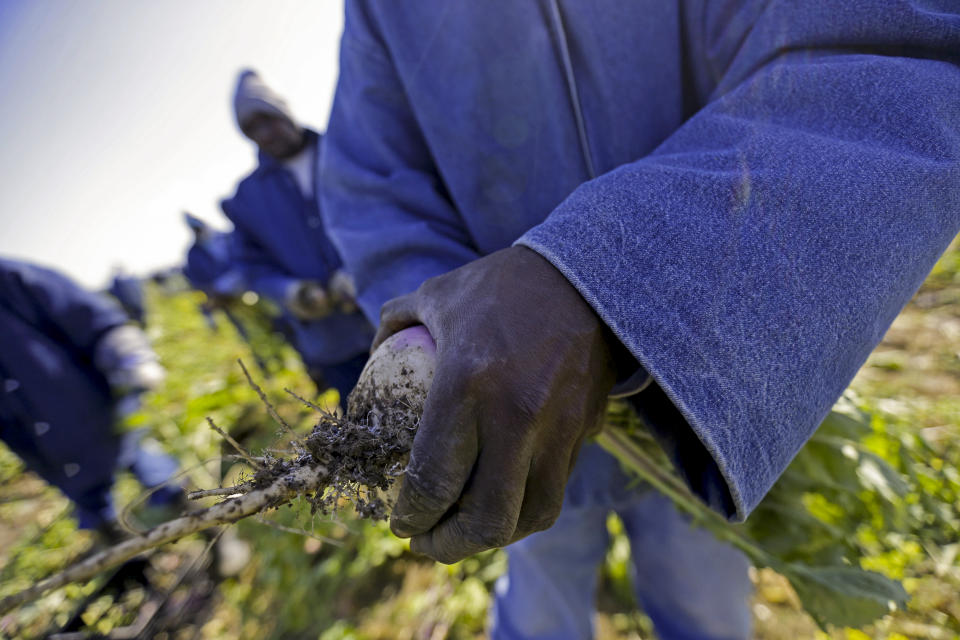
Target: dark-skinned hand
column 524, row 366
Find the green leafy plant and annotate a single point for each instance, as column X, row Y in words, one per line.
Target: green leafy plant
column 858, row 488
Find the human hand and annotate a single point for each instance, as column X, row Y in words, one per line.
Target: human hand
column 524, row 366
column 308, row 301
column 124, row 356
column 142, row 376
column 343, row 291
column 215, row 301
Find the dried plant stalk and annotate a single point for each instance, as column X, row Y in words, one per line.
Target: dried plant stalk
column 307, row 478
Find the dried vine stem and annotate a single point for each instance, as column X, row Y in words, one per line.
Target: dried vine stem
column 355, row 458
column 222, row 491
column 280, row 491
column 233, row 443
column 266, row 403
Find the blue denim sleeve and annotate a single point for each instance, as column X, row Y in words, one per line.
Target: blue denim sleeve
column 380, row 189
column 56, row 306
column 753, row 261
column 247, row 260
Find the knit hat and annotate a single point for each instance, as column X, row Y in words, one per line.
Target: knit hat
column 254, row 96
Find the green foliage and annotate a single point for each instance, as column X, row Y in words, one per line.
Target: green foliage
column 860, row 474
column 844, row 595
column 861, row 488
column 868, row 492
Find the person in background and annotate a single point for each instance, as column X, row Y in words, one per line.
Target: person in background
column 282, row 248
column 71, row 367
column 128, row 290
column 716, row 208
column 209, row 265
column 211, row 268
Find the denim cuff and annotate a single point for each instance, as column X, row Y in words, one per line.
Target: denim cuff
column 699, row 461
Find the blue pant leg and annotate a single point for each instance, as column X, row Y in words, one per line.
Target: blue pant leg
column 151, row 466
column 549, row 590
column 86, row 483
column 342, row 376
column 690, row 584
column 94, row 506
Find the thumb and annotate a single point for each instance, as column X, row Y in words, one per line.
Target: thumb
column 396, row 315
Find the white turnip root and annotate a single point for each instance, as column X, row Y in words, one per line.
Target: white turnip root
column 358, row 457
column 400, row 371
column 393, row 388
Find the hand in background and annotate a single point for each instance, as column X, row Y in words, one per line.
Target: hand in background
column 343, row 291
column 309, row 301
column 125, row 358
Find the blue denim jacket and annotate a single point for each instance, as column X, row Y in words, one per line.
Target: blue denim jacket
column 746, row 191
column 209, row 258
column 279, row 238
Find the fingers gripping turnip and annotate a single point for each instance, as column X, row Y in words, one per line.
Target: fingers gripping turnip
column 524, row 369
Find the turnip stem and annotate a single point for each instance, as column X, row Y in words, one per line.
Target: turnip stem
column 616, row 441
column 233, row 443
column 273, row 412
column 281, row 490
column 224, row 491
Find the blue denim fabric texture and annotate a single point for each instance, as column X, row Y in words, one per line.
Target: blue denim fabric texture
column 774, row 179
column 692, row 586
column 278, row 239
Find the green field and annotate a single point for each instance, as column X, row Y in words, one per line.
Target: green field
column 315, row 577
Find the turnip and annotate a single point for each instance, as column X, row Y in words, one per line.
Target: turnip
column 393, row 388
column 358, row 457
column 398, row 374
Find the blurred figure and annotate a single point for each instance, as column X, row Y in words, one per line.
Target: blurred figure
column 209, row 266
column 71, row 367
column 282, row 247
column 128, row 290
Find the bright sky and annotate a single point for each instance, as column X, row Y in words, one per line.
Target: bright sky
column 116, row 117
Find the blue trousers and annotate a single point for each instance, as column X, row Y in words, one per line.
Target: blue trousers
column 92, row 501
column 691, row 585
column 150, row 465
column 342, row 376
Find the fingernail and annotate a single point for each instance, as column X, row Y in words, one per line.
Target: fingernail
column 420, row 545
column 400, row 525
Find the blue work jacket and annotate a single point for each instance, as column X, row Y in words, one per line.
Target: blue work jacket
column 56, row 408
column 128, row 290
column 279, row 239
column 746, row 191
column 210, row 263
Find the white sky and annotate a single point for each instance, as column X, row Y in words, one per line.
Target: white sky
column 116, row 116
